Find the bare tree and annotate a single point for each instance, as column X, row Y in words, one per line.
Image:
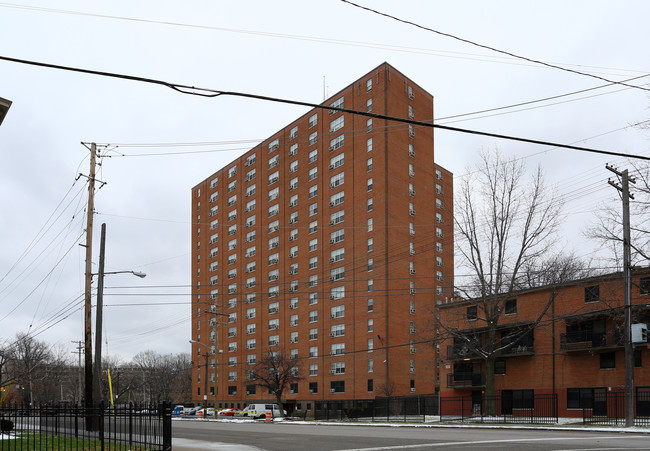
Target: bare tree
column 160, row 373
column 505, row 223
column 275, row 372
column 552, row 270
column 30, row 357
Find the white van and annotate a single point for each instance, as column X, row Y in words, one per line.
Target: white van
column 259, row 410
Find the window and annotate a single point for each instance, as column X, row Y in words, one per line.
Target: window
column 337, row 124
column 274, row 226
column 337, row 311
column 337, row 199
column 313, row 263
column 438, row 174
column 337, row 255
column 293, row 167
column 370, row 325
column 370, row 225
column 368, row 144
column 337, row 217
column 274, row 307
column 472, row 313
column 337, row 274
column 232, row 185
column 293, row 150
column 411, row 170
column 369, row 105
column 293, row 217
column 369, row 125
column 250, row 175
column 274, row 340
column 313, row 371
column 313, row 120
column 371, row 264
column 313, row 316
column 232, row 171
column 313, row 351
column 313, row 298
column 293, row 183
column 293, row 133
column 411, row 132
column 274, row 177
column 337, row 180
column 369, row 184
column 370, row 204
column 371, row 305
column 313, row 280
column 273, row 194
column 580, row 398
column 511, row 306
column 371, row 284
column 313, row 227
column 313, row 245
column 313, row 155
column 293, row 337
column 338, row 103
column 337, row 161
column 607, row 360
column 213, row 184
column 369, row 85
column 338, row 368
column 293, row 200
column 293, row 320
column 338, row 386
column 370, row 244
column 313, row 209
column 274, row 145
column 438, row 203
column 273, row 244
column 313, row 138
column 313, row 334
column 592, row 293
column 250, row 206
column 337, row 236
column 369, row 164
column 313, row 173
column 410, row 112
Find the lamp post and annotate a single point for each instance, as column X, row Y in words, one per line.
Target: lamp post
column 97, row 392
column 205, row 382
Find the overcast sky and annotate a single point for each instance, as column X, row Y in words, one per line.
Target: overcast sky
column 290, row 49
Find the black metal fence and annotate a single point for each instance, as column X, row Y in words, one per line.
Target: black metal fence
column 69, row 427
column 605, row 407
column 532, row 409
column 406, row 408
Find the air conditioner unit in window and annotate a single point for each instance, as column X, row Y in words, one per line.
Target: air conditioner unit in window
column 293, row 204
column 311, row 390
column 412, row 311
column 411, row 153
column 292, row 255
column 412, row 192
column 412, row 212
column 413, row 272
column 412, row 389
column 411, row 134
column 331, row 241
column 331, row 204
column 412, row 330
column 333, row 390
column 411, row 370
column 293, row 306
column 332, row 297
column 412, row 350
column 332, row 334
column 332, row 372
column 332, row 222
column 292, row 187
column 293, row 289
column 293, row 392
column 292, row 237
column 331, row 165
column 332, row 315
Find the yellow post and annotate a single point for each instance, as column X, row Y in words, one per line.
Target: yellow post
column 110, row 385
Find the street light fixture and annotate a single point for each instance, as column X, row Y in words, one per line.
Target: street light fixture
column 4, row 108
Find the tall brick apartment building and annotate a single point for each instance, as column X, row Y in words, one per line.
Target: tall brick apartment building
column 575, row 350
column 332, row 241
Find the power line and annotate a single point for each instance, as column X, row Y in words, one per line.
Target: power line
column 513, row 55
column 208, row 92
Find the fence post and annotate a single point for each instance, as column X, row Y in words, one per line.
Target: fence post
column 167, row 426
column 130, row 424
column 100, row 418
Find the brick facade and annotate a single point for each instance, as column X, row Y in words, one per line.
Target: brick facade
column 344, row 263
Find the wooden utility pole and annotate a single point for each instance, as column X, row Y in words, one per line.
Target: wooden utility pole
column 624, row 188
column 88, row 349
column 97, row 373
column 80, row 349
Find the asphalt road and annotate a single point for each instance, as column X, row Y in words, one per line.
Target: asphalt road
column 196, row 435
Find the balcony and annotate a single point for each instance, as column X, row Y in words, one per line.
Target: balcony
column 461, row 380
column 456, row 352
column 585, row 340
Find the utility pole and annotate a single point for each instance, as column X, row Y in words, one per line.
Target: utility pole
column 80, row 348
column 624, row 188
column 88, row 347
column 97, row 373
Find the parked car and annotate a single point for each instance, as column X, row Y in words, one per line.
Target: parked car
column 193, row 411
column 228, row 412
column 259, row 410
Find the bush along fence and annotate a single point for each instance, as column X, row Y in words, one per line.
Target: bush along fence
column 125, row 427
column 408, row 408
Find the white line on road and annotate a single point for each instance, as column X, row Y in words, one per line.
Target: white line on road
column 486, row 442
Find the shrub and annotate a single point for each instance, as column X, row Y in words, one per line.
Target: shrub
column 354, row 412
column 6, row 425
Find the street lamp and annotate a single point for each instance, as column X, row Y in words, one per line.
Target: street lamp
column 97, row 392
column 4, row 108
column 205, row 382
